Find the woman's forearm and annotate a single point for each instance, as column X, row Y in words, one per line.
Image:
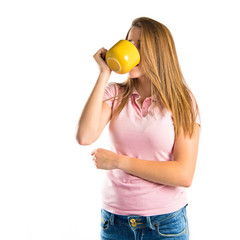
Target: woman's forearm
column 170, row 173
column 178, row 172
column 90, row 118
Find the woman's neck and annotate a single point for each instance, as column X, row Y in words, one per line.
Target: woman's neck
column 143, row 86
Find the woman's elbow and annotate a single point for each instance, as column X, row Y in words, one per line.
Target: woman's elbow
column 186, row 181
column 84, row 140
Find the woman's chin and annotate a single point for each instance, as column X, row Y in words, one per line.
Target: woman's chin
column 134, row 73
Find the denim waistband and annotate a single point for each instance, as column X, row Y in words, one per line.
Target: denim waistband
column 136, row 221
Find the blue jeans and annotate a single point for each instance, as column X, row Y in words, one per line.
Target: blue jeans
column 172, row 226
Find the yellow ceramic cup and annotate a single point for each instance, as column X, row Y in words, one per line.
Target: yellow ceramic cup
column 122, row 57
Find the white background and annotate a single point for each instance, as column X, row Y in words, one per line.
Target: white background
column 49, row 187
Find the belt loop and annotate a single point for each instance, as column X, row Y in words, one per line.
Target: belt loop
column 149, row 222
column 111, row 219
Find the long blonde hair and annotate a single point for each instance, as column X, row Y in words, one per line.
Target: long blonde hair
column 160, row 64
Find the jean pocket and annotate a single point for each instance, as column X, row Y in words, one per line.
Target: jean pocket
column 175, row 225
column 105, row 220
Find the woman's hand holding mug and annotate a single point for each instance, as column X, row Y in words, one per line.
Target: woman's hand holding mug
column 99, row 57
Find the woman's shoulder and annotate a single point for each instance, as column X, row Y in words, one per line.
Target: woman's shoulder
column 113, row 88
column 113, row 85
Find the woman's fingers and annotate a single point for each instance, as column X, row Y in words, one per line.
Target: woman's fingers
column 99, row 57
column 93, row 152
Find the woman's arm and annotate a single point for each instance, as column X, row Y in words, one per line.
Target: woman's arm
column 178, row 172
column 96, row 113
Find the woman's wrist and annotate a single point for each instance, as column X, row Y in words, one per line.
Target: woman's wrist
column 104, row 76
column 122, row 162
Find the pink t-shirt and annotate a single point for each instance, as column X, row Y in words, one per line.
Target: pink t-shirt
column 142, row 134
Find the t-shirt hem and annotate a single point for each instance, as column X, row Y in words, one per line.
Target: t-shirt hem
column 153, row 212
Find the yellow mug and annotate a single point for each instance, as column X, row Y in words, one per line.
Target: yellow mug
column 122, row 57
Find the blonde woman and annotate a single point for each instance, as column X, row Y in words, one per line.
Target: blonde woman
column 154, row 128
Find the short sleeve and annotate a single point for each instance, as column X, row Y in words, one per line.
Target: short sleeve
column 109, row 93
